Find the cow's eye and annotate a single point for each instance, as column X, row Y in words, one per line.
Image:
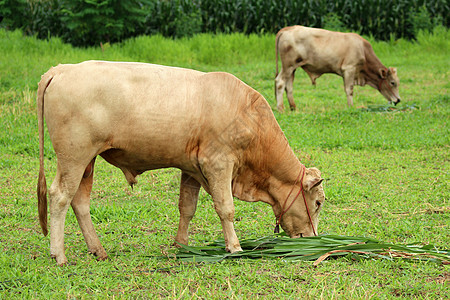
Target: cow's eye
column 318, row 203
column 393, row 83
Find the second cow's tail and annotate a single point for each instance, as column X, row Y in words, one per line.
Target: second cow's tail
column 276, row 50
column 42, row 184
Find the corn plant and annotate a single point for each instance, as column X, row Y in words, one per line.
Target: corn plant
column 88, row 22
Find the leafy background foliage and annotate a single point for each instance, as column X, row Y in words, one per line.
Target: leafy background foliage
column 90, row 22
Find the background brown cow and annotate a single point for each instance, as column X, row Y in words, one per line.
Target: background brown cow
column 319, row 51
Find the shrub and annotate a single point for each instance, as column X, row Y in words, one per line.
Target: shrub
column 332, row 22
column 422, row 20
column 46, row 19
column 13, row 13
column 176, row 18
column 92, row 22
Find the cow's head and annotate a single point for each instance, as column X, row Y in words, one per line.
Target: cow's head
column 295, row 221
column 388, row 85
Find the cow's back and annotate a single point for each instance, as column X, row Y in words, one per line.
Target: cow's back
column 120, row 87
column 133, row 95
column 319, row 50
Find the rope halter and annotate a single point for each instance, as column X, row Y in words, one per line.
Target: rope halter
column 302, row 190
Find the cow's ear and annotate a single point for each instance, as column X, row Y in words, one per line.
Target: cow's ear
column 311, row 183
column 393, row 70
column 312, row 179
column 383, row 72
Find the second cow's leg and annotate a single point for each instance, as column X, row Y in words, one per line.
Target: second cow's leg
column 189, row 189
column 349, row 79
column 290, row 90
column 280, row 85
column 80, row 205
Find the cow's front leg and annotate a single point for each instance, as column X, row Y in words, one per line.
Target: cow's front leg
column 220, row 189
column 224, row 206
column 80, row 206
column 189, row 189
column 349, row 79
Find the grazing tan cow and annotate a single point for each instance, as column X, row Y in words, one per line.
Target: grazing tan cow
column 219, row 131
column 320, row 51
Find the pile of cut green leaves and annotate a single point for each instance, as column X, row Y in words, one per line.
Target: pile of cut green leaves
column 389, row 108
column 316, row 249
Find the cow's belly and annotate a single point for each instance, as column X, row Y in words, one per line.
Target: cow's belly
column 139, row 162
column 319, row 69
column 133, row 163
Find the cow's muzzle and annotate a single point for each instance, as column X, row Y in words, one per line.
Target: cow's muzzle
column 296, row 236
column 395, row 102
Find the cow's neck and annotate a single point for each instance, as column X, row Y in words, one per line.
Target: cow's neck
column 271, row 187
column 372, row 67
column 270, row 167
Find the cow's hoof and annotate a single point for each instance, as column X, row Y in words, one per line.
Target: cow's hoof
column 100, row 253
column 178, row 241
column 236, row 248
column 62, row 263
column 102, row 258
column 177, row 244
column 61, row 260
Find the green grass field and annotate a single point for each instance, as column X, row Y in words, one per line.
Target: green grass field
column 387, row 177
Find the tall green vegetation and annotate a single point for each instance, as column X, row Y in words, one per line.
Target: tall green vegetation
column 91, row 22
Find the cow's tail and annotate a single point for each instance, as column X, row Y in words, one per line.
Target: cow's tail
column 42, row 184
column 277, row 40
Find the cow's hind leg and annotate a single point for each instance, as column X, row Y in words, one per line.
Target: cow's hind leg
column 290, row 90
column 280, row 85
column 61, row 194
column 187, row 205
column 80, row 205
